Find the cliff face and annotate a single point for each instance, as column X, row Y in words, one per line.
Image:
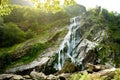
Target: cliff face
column 87, row 36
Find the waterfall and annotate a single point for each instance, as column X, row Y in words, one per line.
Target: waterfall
column 70, row 41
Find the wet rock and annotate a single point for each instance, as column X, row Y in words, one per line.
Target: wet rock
column 68, row 67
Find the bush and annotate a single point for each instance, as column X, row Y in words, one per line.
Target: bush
column 117, row 75
column 30, row 34
column 5, row 59
column 10, row 35
column 80, row 76
column 86, row 76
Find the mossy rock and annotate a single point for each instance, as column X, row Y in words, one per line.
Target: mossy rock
column 68, row 67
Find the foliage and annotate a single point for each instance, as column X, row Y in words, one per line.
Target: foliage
column 52, row 5
column 8, row 58
column 5, row 7
column 79, row 76
column 110, row 47
column 85, row 76
column 113, row 22
column 34, row 50
column 5, row 59
column 10, row 35
column 34, row 19
column 104, row 53
column 30, row 34
column 117, row 75
column 75, row 77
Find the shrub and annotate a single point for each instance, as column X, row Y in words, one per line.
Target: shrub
column 30, row 34
column 5, row 59
column 117, row 75
column 11, row 34
column 86, row 76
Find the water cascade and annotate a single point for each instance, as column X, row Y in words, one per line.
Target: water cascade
column 70, row 41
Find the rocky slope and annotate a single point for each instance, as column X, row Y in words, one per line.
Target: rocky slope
column 86, row 45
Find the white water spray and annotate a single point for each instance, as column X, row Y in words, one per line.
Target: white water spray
column 70, row 41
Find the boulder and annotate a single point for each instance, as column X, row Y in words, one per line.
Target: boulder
column 36, row 75
column 64, row 76
column 17, row 77
column 26, row 77
column 52, row 77
column 96, row 68
column 11, row 77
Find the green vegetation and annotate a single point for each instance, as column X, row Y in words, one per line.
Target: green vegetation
column 34, row 50
column 5, row 7
column 117, row 75
column 113, row 22
column 85, row 76
column 27, row 32
column 10, row 35
column 110, row 47
column 54, row 5
column 9, row 59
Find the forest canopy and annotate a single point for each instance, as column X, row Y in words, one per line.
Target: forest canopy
column 46, row 5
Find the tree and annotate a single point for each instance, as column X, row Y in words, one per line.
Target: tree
column 47, row 5
column 10, row 34
column 5, row 7
column 52, row 5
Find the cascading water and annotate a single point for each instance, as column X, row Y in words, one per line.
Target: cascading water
column 70, row 41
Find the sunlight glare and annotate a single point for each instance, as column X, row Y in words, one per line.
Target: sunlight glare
column 111, row 5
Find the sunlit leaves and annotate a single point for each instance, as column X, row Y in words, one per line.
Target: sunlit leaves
column 69, row 2
column 5, row 7
column 52, row 5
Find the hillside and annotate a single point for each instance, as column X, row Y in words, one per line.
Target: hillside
column 71, row 44
column 27, row 28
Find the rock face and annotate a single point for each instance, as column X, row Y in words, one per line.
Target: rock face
column 37, row 64
column 11, row 77
column 80, row 45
